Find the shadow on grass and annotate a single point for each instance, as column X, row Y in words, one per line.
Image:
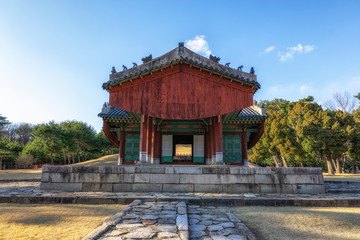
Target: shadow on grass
column 43, row 219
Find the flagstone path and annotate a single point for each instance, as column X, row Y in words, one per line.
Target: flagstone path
column 174, row 220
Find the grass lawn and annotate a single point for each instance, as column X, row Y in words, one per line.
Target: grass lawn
column 297, row 223
column 342, row 177
column 109, row 160
column 39, row 221
column 20, row 174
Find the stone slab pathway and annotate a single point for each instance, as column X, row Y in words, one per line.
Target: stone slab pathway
column 152, row 220
column 173, row 220
column 209, row 222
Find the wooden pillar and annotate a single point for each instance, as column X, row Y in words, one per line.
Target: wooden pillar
column 158, row 146
column 218, row 140
column 149, row 139
column 143, row 139
column 207, row 148
column 155, row 159
column 244, row 155
column 212, row 141
column 121, row 158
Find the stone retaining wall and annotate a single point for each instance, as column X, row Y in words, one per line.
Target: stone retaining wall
column 211, row 179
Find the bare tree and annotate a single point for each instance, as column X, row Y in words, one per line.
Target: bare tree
column 343, row 102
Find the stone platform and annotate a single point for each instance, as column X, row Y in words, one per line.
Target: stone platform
column 183, row 179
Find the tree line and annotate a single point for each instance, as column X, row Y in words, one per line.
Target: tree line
column 22, row 145
column 303, row 134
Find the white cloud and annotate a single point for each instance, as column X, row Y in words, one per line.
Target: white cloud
column 305, row 89
column 298, row 49
column 198, row 45
column 269, row 49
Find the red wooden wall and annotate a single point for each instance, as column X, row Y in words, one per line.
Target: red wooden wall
column 181, row 92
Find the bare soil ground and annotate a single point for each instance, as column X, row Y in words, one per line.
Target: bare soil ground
column 35, row 221
column 297, row 223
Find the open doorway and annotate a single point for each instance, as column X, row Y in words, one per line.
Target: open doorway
column 183, row 149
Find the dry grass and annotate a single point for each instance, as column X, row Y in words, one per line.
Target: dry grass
column 20, row 174
column 297, row 223
column 342, row 177
column 109, row 160
column 35, row 221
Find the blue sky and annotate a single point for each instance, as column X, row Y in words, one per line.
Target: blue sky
column 55, row 55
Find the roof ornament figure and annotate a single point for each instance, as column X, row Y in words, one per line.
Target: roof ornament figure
column 134, row 64
column 252, row 71
column 227, row 64
column 113, row 70
column 181, row 47
column 147, row 59
column 124, row 67
column 214, row 58
column 240, row 68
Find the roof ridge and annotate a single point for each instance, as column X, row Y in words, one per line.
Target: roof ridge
column 176, row 54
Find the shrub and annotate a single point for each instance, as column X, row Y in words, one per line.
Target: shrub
column 24, row 161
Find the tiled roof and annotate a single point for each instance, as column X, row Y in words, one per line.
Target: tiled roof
column 253, row 112
column 184, row 54
column 109, row 111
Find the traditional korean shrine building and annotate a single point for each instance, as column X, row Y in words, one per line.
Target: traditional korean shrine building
column 182, row 108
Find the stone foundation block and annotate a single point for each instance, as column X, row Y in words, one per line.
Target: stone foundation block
column 240, row 188
column 210, row 188
column 266, row 179
column 262, row 170
column 137, row 187
column 200, row 179
column 122, row 187
column 302, row 179
column 97, row 187
column 57, row 169
column 308, row 189
column 129, row 169
column 298, row 171
column 142, row 178
column 67, row 187
column 111, row 169
column 45, row 177
column 82, row 169
column 269, row 188
column 178, row 187
column 92, row 177
column 126, row 178
column 230, row 179
column 164, row 178
column 152, row 169
column 215, row 170
column 187, row 170
column 242, row 170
